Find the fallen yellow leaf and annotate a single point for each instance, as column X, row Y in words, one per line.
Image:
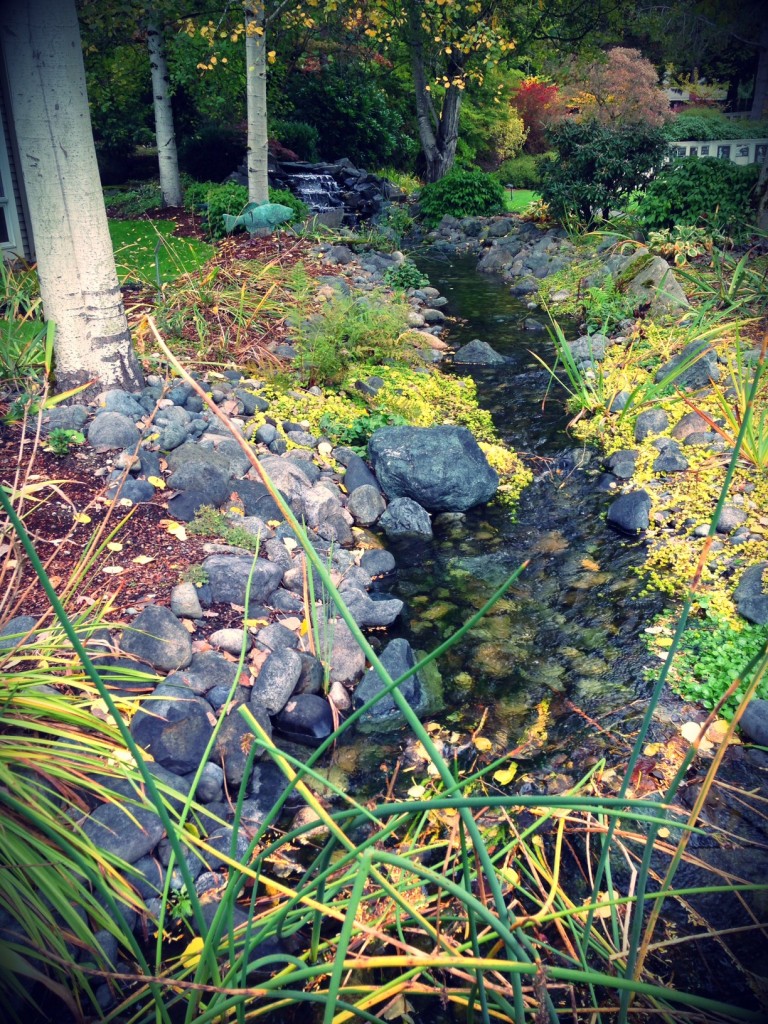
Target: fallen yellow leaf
column 156, row 481
column 191, row 954
column 482, row 743
column 81, row 517
column 505, row 775
column 113, row 570
column 114, row 546
column 143, row 559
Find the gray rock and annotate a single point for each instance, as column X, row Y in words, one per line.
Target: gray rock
column 132, row 490
column 619, row 401
column 442, row 468
column 14, row 631
column 231, row 640
column 622, row 464
column 306, row 719
column 185, row 601
column 691, row 423
column 233, row 744
column 124, row 830
column 64, row 417
column 589, row 348
column 652, row 421
column 754, row 721
column 702, row 370
column 122, row 402
column 405, row 518
column 750, row 597
column 276, row 637
column 366, row 504
column 157, row 637
column 206, row 670
column 358, row 475
column 655, row 283
column 630, row 513
column 112, row 430
column 312, row 674
column 266, row 434
column 730, row 518
column 347, row 660
column 276, row 680
column 478, row 352
column 208, row 479
column 397, row 657
column 670, row 459
column 319, row 502
column 367, row 612
column 228, row 577
column 378, row 562
column 174, row 726
column 210, row 785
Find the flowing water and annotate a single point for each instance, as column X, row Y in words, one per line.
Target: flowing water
column 563, row 647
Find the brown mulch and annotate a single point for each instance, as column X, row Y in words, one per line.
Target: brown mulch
column 65, row 489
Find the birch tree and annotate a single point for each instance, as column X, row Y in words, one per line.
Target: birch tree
column 76, row 264
column 167, row 158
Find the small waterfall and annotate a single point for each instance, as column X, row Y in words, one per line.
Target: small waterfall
column 319, row 191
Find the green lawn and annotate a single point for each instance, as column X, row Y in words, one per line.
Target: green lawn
column 136, row 243
column 518, row 199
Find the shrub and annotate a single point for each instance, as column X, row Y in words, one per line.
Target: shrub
column 706, row 126
column 695, row 191
column 212, row 152
column 522, row 172
column 461, row 194
column 490, row 132
column 299, row 136
column 599, row 166
column 405, row 275
column 135, row 201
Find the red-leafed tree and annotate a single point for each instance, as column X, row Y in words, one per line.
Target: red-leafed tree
column 538, row 104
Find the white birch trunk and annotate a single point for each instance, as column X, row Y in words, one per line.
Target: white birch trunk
column 256, row 95
column 76, row 264
column 170, row 182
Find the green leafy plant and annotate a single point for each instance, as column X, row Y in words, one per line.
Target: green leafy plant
column 709, row 125
column 353, row 330
column 731, row 282
column 712, row 654
column 134, row 202
column 524, row 171
column 357, row 434
column 461, row 194
column 683, row 242
column 209, row 522
column 599, row 165
column 299, row 136
column 197, row 574
column 606, row 306
column 405, row 275
column 697, row 191
column 405, row 181
column 61, row 441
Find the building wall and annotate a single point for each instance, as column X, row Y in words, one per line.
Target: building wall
column 738, row 151
column 16, row 238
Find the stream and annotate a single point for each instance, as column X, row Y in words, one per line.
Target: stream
column 564, row 645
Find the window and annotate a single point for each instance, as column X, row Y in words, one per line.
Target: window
column 693, row 151
column 742, row 151
column 705, row 150
column 723, row 152
column 676, row 151
column 760, row 150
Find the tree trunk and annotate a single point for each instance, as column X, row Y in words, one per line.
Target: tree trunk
column 760, row 95
column 256, row 96
column 170, row 182
column 76, row 263
column 761, row 190
column 438, row 132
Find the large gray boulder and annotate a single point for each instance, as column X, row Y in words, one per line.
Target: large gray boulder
column 655, row 283
column 442, row 468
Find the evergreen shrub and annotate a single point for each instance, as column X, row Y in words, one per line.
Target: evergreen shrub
column 698, row 191
column 461, row 194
